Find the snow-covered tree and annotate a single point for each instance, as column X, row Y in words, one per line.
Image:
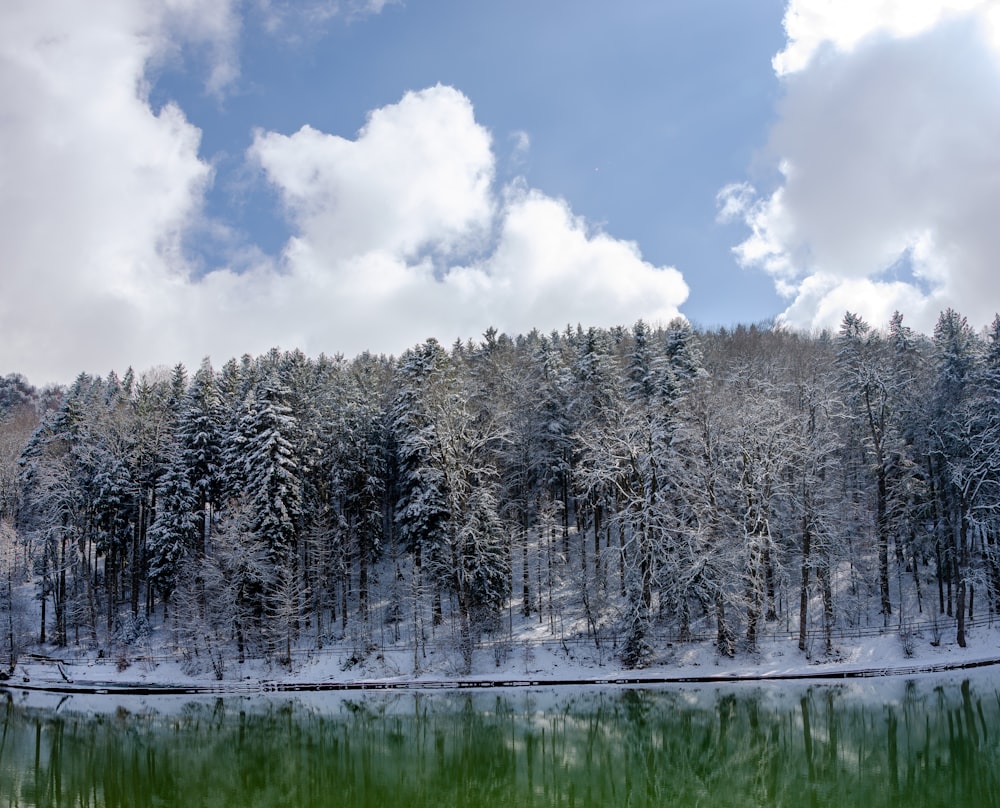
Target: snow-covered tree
column 174, row 533
column 956, row 353
column 14, row 571
column 422, row 514
column 359, row 475
column 448, row 468
column 984, row 460
column 199, row 437
column 270, row 467
column 868, row 386
column 809, row 389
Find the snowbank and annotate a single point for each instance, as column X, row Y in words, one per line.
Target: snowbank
column 526, row 663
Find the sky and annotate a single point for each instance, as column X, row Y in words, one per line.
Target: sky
column 192, row 178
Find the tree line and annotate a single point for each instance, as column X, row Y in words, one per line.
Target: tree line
column 639, row 482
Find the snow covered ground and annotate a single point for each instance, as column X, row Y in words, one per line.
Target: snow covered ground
column 528, row 660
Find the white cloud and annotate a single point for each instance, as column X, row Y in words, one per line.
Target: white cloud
column 418, row 176
column 890, row 175
column 296, row 20
column 96, row 190
column 400, row 233
column 212, row 26
column 812, row 25
column 522, row 143
column 548, row 270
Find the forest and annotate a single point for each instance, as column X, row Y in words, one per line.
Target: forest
column 633, row 485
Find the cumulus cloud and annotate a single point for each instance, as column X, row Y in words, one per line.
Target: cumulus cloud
column 885, row 145
column 815, row 25
column 96, row 189
column 399, row 233
column 406, row 233
column 418, row 176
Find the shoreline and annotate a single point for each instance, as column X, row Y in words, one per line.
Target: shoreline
column 462, row 683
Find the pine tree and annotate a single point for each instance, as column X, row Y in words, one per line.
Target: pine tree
column 173, row 535
column 422, row 513
column 363, row 457
column 448, row 467
column 199, row 437
column 270, row 467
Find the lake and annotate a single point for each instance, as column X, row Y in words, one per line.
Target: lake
column 930, row 741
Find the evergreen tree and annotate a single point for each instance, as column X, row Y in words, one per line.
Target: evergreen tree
column 422, row 514
column 199, row 438
column 359, row 475
column 270, row 467
column 173, row 535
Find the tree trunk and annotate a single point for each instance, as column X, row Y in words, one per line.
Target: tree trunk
column 10, row 616
column 882, row 529
column 804, row 586
column 597, row 545
column 89, row 574
column 961, row 553
column 344, row 569
column 622, row 557
column 525, row 572
column 136, row 570
column 110, row 577
column 46, row 585
column 723, row 636
column 772, row 612
column 437, row 612
column 362, row 582
column 61, row 596
column 823, row 573
column 916, row 575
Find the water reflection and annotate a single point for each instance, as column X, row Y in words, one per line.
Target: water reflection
column 928, row 742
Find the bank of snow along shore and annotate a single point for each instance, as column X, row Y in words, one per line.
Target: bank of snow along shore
column 536, row 665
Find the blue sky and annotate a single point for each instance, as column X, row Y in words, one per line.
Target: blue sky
column 182, row 178
column 636, row 113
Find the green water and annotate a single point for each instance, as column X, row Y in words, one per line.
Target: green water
column 928, row 742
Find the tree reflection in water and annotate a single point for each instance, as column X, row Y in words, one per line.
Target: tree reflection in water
column 927, row 742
